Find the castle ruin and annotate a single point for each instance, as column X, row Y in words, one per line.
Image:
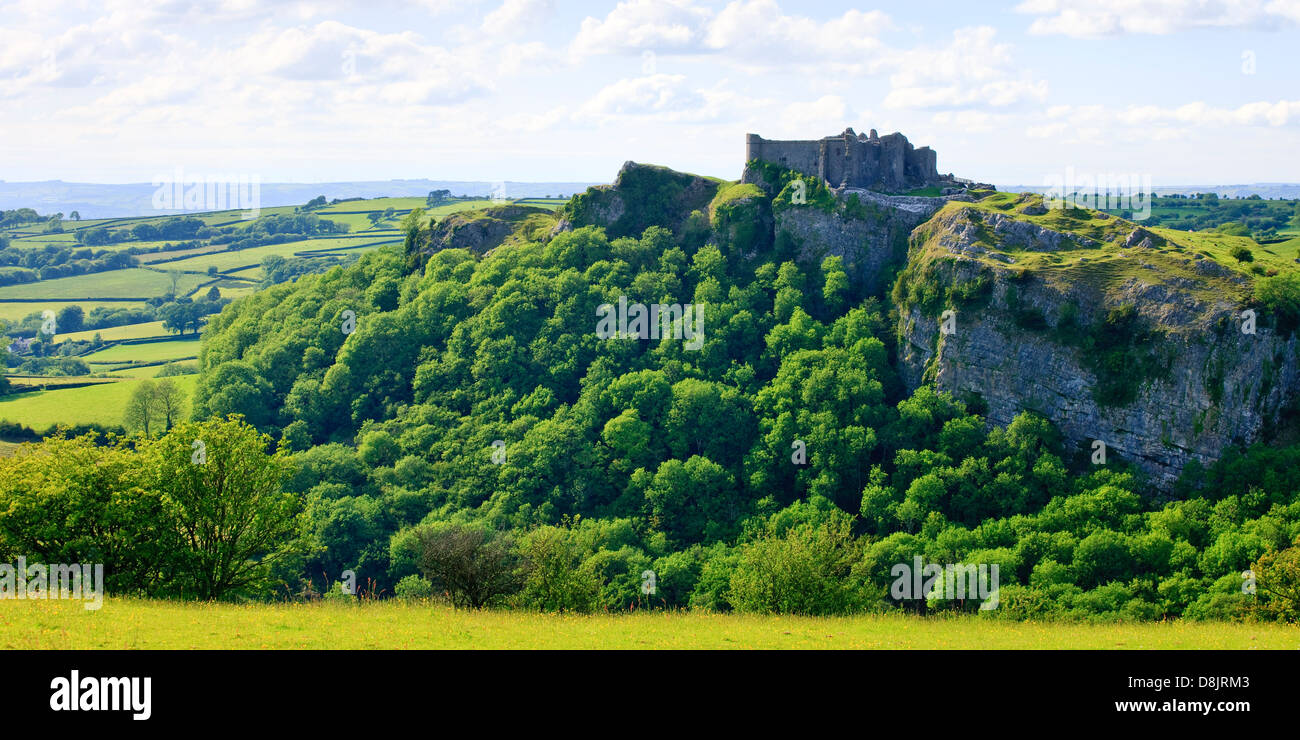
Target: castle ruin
column 851, row 160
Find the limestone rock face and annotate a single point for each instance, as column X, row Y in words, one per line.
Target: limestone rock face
column 867, row 242
column 868, row 235
column 642, row 196
column 478, row 231
column 1015, row 345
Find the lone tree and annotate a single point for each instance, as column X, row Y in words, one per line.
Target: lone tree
column 474, row 566
column 154, row 402
column 223, row 492
column 169, row 400
column 142, row 408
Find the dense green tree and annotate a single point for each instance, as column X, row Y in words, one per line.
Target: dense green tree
column 223, row 491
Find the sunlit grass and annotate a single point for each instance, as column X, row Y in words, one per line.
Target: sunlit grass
column 140, row 624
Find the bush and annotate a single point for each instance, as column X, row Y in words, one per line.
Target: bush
column 337, row 594
column 474, row 566
column 557, row 575
column 1280, row 296
column 807, row 570
column 1277, row 575
column 413, row 588
column 1241, row 254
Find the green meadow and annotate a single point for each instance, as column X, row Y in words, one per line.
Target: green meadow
column 16, row 311
column 115, row 333
column 148, row 624
column 135, row 282
column 174, row 349
column 96, row 404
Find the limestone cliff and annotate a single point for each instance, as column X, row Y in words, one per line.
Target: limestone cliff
column 1113, row 332
column 641, row 196
column 1118, row 334
column 480, row 231
column 867, row 230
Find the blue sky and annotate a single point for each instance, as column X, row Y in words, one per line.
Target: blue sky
column 1185, row 91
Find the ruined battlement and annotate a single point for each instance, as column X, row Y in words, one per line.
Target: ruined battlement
column 852, row 160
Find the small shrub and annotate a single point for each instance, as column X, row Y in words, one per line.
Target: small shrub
column 413, row 588
column 806, row 570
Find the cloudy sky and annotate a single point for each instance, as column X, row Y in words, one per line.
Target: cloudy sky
column 1187, row 91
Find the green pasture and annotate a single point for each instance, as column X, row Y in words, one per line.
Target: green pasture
column 173, row 349
column 129, row 283
column 123, row 623
column 98, row 404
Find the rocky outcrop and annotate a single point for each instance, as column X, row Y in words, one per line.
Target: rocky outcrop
column 1113, row 342
column 641, row 196
column 868, row 237
column 479, row 231
column 867, row 230
column 740, row 220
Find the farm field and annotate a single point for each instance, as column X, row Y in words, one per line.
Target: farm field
column 373, row 204
column 38, row 382
column 97, row 404
column 254, row 255
column 23, row 239
column 144, row 371
column 359, row 223
column 114, row 333
column 401, row 204
column 148, row 624
column 234, row 290
column 177, row 255
column 550, row 204
column 15, row 311
column 133, row 283
column 173, row 349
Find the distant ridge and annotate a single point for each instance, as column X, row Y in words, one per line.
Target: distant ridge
column 1274, row 190
column 93, row 200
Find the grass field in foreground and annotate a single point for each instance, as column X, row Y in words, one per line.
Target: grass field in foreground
column 132, row 623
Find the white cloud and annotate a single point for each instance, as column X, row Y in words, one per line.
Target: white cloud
column 1263, row 113
column 659, row 95
column 515, row 17
column 1092, row 18
column 643, row 25
column 827, row 114
column 752, row 34
column 972, row 70
column 758, row 31
column 968, row 121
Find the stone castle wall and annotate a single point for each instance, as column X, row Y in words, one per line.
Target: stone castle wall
column 851, row 160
